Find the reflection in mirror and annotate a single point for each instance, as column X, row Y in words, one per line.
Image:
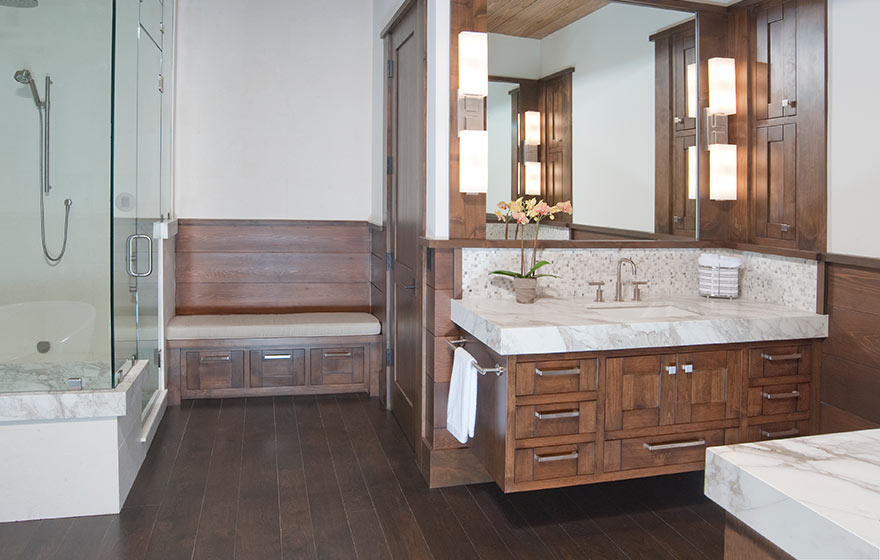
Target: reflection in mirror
column 612, row 91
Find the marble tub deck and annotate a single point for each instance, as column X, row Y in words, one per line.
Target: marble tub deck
column 577, row 324
column 814, row 497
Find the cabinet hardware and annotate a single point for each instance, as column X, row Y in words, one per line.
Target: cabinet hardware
column 276, row 357
column 789, row 103
column 687, row 368
column 779, row 396
column 678, row 445
column 409, row 287
column 555, row 415
column 337, row 354
column 671, row 370
column 783, row 433
column 784, row 228
column 677, row 120
column 209, row 359
column 551, row 372
column 677, row 219
column 551, row 458
column 781, row 357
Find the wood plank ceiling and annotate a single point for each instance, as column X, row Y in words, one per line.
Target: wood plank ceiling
column 535, row 19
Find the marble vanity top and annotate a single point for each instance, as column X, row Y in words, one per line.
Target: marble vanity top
column 814, row 496
column 580, row 324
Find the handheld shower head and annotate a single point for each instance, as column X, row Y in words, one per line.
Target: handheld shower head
column 24, row 76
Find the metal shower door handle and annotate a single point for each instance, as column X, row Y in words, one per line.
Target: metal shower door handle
column 132, row 240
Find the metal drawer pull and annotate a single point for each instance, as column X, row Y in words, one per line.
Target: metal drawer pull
column 778, row 396
column 679, row 445
column 551, row 372
column 783, row 433
column 687, row 368
column 551, row 458
column 555, row 415
column 337, row 354
column 781, row 357
column 276, row 357
column 208, row 359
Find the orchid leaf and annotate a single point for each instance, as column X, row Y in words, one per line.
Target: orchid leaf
column 508, row 273
column 543, row 275
column 538, row 265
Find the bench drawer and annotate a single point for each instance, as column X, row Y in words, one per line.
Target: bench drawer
column 778, row 399
column 779, row 361
column 278, row 368
column 557, row 419
column 658, row 451
column 214, row 369
column 560, row 461
column 342, row 365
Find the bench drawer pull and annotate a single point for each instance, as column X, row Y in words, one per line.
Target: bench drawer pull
column 214, row 359
column 779, row 396
column 555, row 415
column 551, row 458
column 783, row 433
column 781, row 357
column 551, row 372
column 337, row 355
column 276, row 357
column 678, row 445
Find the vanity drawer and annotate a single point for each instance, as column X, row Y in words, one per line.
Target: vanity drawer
column 556, row 376
column 214, row 369
column 542, row 463
column 657, row 451
column 780, row 361
column 557, row 419
column 337, row 366
column 278, row 368
column 778, row 430
column 768, row 400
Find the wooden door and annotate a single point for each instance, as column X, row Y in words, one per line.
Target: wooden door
column 776, row 59
column 775, row 201
column 684, row 54
column 707, row 386
column 406, row 150
column 640, row 392
column 557, row 139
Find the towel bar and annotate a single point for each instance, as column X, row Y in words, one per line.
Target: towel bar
column 454, row 343
column 497, row 370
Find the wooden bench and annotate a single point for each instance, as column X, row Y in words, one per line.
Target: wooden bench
column 273, row 354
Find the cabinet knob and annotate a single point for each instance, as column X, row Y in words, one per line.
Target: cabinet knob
column 671, row 370
column 789, row 103
column 678, row 120
column 687, row 368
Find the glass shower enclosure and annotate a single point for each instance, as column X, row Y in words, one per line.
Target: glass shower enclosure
column 80, row 153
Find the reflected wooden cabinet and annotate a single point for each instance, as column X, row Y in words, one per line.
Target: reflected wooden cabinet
column 565, row 419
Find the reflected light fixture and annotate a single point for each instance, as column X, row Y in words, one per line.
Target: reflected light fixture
column 692, row 172
column 692, row 90
column 531, row 141
column 473, row 87
column 722, row 102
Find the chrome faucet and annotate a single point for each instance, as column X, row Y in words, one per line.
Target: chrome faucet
column 618, row 292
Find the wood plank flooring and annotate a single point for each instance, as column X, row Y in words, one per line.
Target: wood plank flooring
column 333, row 477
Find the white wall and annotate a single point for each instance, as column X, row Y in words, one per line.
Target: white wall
column 853, row 162
column 612, row 111
column 498, row 126
column 514, row 57
column 71, row 42
column 274, row 110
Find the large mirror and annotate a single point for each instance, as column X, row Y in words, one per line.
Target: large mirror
column 610, row 89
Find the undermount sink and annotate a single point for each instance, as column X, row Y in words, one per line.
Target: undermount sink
column 644, row 312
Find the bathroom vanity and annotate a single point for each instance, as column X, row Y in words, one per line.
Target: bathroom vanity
column 591, row 392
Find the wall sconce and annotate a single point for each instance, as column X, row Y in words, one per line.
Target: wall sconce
column 692, row 172
column 473, row 87
column 722, row 102
column 530, row 159
column 692, row 90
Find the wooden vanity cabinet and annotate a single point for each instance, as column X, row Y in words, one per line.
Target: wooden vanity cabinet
column 565, row 419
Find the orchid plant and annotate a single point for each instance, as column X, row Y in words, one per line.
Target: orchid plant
column 522, row 212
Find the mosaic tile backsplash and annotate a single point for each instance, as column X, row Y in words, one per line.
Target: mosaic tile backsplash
column 764, row 278
column 496, row 231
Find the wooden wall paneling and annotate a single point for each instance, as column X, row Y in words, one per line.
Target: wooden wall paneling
column 663, row 109
column 258, row 268
column 196, row 299
column 536, row 20
column 467, row 212
column 739, row 133
column 272, row 236
column 835, row 419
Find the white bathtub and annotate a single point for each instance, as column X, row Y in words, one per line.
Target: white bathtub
column 68, row 327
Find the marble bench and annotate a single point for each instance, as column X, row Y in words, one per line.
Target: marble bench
column 234, row 355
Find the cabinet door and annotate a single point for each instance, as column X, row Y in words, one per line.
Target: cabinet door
column 775, row 206
column 640, row 392
column 707, row 386
column 214, row 369
column 278, row 368
column 776, row 61
column 684, row 69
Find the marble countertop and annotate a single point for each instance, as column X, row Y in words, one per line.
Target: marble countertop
column 814, row 496
column 579, row 324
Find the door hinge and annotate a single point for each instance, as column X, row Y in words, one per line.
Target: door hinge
column 389, row 165
column 388, row 262
column 157, row 358
column 389, row 357
column 389, row 68
column 161, row 83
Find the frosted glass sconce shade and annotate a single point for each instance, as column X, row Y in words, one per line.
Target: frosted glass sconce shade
column 473, row 161
column 473, row 63
column 533, row 128
column 722, row 86
column 722, row 172
column 533, row 178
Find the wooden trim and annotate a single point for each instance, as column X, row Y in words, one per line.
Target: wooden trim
column 681, row 5
column 270, row 223
column 620, row 232
column 768, row 250
column 508, row 79
column 395, row 19
column 851, row 260
column 565, row 244
column 563, row 72
column 685, row 26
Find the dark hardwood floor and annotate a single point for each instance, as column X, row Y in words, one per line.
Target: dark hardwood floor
column 333, row 477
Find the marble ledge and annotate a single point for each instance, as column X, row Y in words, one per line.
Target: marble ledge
column 814, row 497
column 553, row 325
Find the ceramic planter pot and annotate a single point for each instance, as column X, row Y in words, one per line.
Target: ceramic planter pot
column 526, row 289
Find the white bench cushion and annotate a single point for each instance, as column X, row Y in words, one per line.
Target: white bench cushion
column 291, row 325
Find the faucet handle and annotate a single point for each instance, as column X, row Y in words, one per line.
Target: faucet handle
column 637, row 292
column 599, row 295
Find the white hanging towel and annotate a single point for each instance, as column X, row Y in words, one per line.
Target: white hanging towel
column 461, row 408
